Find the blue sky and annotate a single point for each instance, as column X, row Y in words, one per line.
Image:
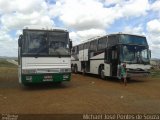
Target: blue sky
column 83, row 18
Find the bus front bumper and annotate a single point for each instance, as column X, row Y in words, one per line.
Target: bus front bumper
column 138, row 73
column 41, row 78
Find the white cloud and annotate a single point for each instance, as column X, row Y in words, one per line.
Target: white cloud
column 86, row 14
column 153, row 26
column 8, row 45
column 87, row 18
column 112, row 2
column 18, row 20
column 135, row 8
column 155, row 6
column 19, row 13
column 153, row 29
column 81, row 36
column 134, row 30
column 130, row 8
column 28, row 6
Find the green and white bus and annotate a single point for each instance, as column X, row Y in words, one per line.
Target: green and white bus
column 44, row 55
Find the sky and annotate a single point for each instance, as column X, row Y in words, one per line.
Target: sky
column 83, row 19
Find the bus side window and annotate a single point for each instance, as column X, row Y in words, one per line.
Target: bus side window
column 101, row 43
column 93, row 46
column 112, row 40
column 81, row 47
column 107, row 55
column 86, row 45
column 77, row 49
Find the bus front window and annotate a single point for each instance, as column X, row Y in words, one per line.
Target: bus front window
column 134, row 54
column 145, row 55
column 58, row 43
column 128, row 54
column 45, row 43
column 35, row 43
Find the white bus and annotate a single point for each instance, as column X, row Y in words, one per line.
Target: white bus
column 44, row 55
column 102, row 55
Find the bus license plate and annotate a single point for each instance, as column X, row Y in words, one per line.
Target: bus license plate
column 48, row 78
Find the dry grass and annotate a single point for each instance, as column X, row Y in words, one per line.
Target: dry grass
column 4, row 63
column 155, row 73
column 8, row 71
column 8, row 74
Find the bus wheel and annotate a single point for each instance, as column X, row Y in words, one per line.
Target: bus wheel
column 102, row 76
column 83, row 71
column 75, row 69
column 72, row 68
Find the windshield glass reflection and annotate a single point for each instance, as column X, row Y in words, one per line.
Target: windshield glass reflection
column 58, row 44
column 45, row 43
column 133, row 39
column 134, row 54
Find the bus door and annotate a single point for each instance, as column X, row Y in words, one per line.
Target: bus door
column 113, row 60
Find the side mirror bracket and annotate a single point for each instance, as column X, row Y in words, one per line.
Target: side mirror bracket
column 149, row 54
column 70, row 44
column 20, row 40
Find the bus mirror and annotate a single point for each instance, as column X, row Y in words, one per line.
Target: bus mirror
column 20, row 40
column 150, row 54
column 19, row 44
column 70, row 44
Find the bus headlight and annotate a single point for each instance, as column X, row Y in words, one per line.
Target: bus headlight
column 68, row 70
column 65, row 77
column 27, row 71
column 65, row 70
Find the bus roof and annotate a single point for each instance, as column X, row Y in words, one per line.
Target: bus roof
column 97, row 37
column 39, row 27
column 126, row 34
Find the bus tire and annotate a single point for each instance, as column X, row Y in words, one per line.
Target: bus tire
column 83, row 72
column 72, row 68
column 102, row 75
column 101, row 72
column 75, row 69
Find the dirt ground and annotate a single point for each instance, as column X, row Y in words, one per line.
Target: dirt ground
column 82, row 95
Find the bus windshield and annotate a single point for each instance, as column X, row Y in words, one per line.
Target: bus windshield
column 47, row 43
column 134, row 54
column 132, row 39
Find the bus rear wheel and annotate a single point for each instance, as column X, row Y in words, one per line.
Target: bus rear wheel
column 102, row 76
column 72, row 68
column 75, row 69
column 83, row 71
